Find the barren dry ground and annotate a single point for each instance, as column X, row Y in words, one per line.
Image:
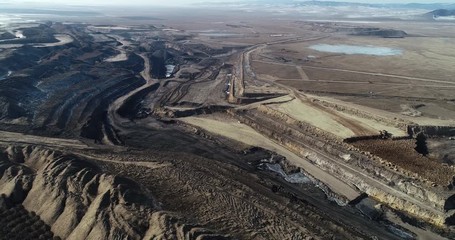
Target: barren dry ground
column 169, row 158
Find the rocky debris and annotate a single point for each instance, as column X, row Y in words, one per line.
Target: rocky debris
column 410, row 111
column 431, row 131
column 402, row 155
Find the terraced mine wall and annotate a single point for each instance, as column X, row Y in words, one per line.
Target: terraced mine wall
column 132, row 106
column 165, row 112
column 432, row 131
column 98, row 126
column 199, row 111
column 249, row 98
column 370, row 174
column 76, row 87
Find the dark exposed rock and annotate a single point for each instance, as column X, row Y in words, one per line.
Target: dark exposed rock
column 385, row 33
column 432, row 131
column 7, row 35
column 421, row 144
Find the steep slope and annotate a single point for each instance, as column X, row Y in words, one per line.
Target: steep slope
column 78, row 201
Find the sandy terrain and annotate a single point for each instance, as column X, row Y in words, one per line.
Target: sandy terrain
column 314, row 116
column 242, row 133
column 341, row 124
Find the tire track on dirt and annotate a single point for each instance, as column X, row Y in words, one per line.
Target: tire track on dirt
column 383, row 75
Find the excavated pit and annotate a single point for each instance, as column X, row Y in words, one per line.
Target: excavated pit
column 71, row 92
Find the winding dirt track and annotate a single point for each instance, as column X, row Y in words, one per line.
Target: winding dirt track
column 121, row 56
column 116, row 120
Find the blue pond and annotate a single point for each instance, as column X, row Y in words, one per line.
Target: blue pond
column 353, row 49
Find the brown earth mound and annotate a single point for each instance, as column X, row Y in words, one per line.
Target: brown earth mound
column 78, row 201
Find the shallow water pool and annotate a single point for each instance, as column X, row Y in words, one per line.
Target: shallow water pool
column 355, row 49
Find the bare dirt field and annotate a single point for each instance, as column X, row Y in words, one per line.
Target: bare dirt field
column 422, row 72
column 277, row 71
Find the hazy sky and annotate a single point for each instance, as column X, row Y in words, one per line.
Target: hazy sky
column 176, row 2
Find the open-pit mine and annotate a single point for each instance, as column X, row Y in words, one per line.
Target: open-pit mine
column 177, row 124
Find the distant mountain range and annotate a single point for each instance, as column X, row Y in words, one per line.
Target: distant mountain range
column 12, row 9
column 348, row 10
column 442, row 13
column 427, row 6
